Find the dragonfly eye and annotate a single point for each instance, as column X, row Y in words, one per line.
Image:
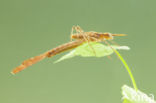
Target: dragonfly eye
column 107, row 36
column 110, row 36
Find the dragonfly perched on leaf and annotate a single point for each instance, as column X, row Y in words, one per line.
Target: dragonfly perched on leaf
column 81, row 38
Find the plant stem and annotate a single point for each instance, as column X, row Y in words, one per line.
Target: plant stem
column 128, row 69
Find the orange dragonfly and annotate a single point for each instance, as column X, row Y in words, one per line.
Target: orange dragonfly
column 80, row 37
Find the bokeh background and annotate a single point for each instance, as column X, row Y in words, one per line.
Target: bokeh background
column 31, row 27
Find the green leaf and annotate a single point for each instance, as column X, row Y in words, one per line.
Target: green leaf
column 132, row 96
column 126, row 101
column 92, row 50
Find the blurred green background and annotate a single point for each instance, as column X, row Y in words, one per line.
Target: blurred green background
column 31, row 27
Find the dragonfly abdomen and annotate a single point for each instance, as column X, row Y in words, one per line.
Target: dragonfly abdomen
column 64, row 47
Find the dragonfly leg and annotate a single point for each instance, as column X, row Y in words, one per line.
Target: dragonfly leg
column 110, row 47
column 113, row 42
column 88, row 39
column 85, row 37
column 77, row 29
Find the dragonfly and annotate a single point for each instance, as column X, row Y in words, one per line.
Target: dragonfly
column 80, row 37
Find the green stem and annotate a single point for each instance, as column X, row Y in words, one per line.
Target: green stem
column 128, row 69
